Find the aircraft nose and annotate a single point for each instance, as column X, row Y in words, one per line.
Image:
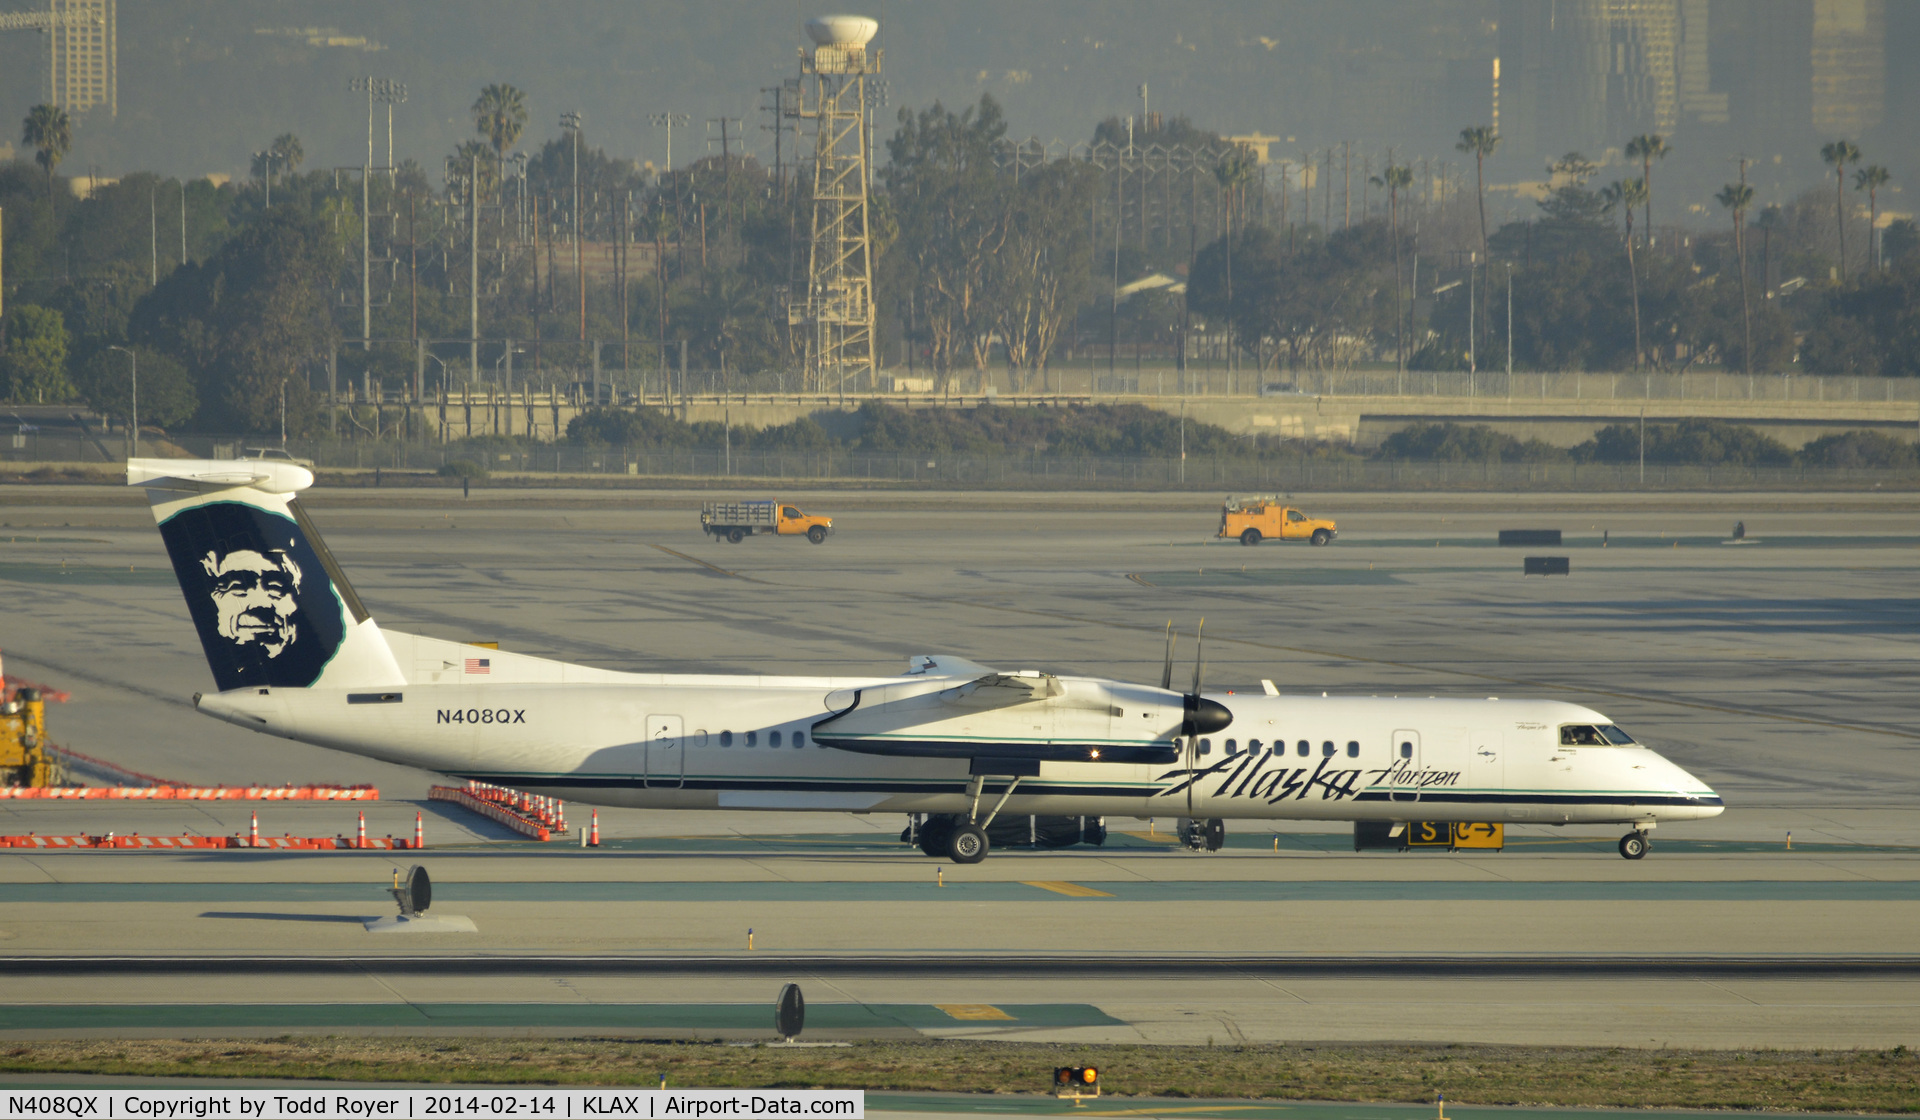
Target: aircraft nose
column 1204, row 716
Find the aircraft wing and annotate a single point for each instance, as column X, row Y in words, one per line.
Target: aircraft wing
column 944, row 665
column 989, row 714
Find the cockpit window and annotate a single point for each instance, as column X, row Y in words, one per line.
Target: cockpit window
column 1584, row 735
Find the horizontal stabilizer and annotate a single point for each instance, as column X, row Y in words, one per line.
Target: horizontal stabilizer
column 269, row 476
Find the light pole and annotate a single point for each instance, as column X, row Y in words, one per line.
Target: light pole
column 670, row 121
column 572, row 121
column 379, row 89
column 391, row 94
column 266, row 175
column 135, row 425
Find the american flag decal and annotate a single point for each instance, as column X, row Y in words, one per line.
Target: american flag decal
column 481, row 665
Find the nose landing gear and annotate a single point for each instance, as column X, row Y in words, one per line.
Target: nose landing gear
column 1634, row 845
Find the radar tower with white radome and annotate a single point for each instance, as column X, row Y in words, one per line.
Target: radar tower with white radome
column 838, row 312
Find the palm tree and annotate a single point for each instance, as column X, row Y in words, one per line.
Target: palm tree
column 1871, row 179
column 287, row 150
column 50, row 131
column 1646, row 149
column 1737, row 197
column 1479, row 142
column 1396, row 178
column 1627, row 194
column 500, row 115
column 1837, row 155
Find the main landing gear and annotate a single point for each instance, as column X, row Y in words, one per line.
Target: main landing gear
column 950, row 836
column 1634, row 845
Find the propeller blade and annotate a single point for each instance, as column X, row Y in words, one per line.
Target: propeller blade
column 1166, row 668
column 1199, row 654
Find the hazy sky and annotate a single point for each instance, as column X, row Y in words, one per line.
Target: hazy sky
column 205, row 82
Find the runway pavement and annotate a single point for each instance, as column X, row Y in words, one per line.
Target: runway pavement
column 1780, row 671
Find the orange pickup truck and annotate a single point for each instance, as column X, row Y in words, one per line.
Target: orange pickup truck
column 1262, row 516
column 736, row 521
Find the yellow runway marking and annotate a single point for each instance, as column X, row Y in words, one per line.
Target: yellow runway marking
column 1072, row 890
column 1154, row 837
column 975, row 1012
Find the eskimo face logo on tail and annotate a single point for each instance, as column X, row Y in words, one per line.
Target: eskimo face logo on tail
column 254, row 595
column 258, row 593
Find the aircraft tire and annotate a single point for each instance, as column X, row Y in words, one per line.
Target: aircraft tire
column 817, row 535
column 735, row 536
column 967, row 844
column 1634, row 845
column 1216, row 834
column 933, row 835
column 1321, row 537
column 1250, row 537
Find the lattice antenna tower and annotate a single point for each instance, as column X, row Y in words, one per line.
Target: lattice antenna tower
column 838, row 313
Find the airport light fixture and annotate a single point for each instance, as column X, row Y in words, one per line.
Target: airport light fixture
column 670, row 121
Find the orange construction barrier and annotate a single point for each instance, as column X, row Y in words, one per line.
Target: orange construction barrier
column 519, row 811
column 190, row 793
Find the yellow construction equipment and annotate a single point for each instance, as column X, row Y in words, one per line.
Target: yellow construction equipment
column 24, row 758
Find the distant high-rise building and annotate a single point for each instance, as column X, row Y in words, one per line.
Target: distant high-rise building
column 1643, row 93
column 1700, row 102
column 1761, row 56
column 83, row 56
column 1849, row 66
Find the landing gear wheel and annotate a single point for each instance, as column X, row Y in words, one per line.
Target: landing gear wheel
column 968, row 844
column 735, row 536
column 1250, row 537
column 1215, row 834
column 817, row 534
column 1321, row 536
column 1634, row 845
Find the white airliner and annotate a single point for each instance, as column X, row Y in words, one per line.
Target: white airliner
column 951, row 743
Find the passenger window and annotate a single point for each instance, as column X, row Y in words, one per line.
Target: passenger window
column 1305, row 748
column 1353, row 750
column 1406, row 750
column 726, row 738
column 790, row 512
column 1326, row 750
column 753, row 737
column 1233, row 747
column 1577, row 735
column 1253, row 746
column 1295, row 515
column 773, row 738
column 1206, row 746
column 799, row 738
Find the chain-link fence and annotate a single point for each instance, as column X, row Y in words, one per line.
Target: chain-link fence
column 1037, row 471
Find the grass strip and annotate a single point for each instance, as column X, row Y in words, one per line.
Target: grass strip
column 1882, row 1081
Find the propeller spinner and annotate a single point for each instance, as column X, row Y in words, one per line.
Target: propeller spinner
column 1203, row 716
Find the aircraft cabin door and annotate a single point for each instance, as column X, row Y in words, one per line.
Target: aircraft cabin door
column 666, row 752
column 1486, row 760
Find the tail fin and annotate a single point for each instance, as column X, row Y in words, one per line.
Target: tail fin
column 271, row 604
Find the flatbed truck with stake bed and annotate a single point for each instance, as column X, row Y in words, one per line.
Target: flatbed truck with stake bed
column 736, row 521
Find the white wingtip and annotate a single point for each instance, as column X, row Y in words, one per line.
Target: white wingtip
column 1266, row 686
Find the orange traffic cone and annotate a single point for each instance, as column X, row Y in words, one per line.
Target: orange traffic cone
column 560, row 807
column 593, row 836
column 360, row 839
column 253, row 830
column 419, row 831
